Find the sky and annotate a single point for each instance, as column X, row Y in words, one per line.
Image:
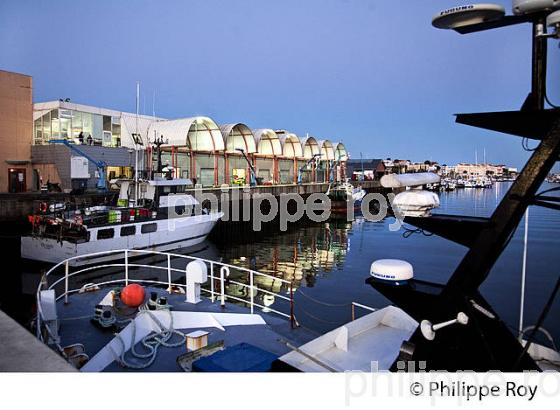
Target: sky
column 373, row 74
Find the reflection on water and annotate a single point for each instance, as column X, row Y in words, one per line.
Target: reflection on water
column 299, row 255
column 329, row 262
column 472, row 201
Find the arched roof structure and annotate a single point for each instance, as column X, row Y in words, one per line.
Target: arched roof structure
column 340, row 152
column 196, row 133
column 310, row 147
column 238, row 136
column 291, row 145
column 267, row 142
column 327, row 150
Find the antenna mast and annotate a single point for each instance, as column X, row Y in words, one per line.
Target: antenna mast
column 136, row 145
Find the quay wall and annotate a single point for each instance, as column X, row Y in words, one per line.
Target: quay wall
column 16, row 207
column 23, row 352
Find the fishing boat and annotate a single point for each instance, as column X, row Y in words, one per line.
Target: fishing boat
column 343, row 195
column 164, row 217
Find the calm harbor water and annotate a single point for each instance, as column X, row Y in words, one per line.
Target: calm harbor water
column 330, row 261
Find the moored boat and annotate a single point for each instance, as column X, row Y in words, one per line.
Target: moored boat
column 344, row 194
column 164, row 217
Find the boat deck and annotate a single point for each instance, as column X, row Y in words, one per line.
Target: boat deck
column 76, row 327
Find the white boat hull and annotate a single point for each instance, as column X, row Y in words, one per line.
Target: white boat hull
column 170, row 234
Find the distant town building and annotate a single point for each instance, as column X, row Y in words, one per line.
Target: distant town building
column 371, row 168
column 396, row 166
column 426, row 166
column 478, row 170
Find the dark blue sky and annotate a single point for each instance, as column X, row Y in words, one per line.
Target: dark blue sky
column 372, row 73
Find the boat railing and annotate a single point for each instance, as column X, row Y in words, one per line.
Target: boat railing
column 359, row 305
column 218, row 276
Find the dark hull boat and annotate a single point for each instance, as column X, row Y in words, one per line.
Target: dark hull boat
column 344, row 196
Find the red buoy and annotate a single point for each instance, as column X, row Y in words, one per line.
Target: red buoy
column 133, row 295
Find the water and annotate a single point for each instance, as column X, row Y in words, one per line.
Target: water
column 330, row 261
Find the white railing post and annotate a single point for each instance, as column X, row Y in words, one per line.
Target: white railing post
column 292, row 315
column 126, row 267
column 66, row 271
column 212, row 296
column 169, row 273
column 224, row 272
column 252, row 294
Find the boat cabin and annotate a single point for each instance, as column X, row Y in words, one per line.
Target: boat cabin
column 155, row 193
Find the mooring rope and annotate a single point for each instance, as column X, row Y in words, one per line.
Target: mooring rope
column 152, row 342
column 408, row 232
column 321, row 302
column 329, row 322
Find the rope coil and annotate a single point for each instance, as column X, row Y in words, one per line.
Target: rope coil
column 151, row 342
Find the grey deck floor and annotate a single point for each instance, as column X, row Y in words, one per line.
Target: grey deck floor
column 76, row 327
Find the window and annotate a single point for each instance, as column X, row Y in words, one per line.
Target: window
column 107, row 138
column 116, row 134
column 38, row 131
column 106, row 123
column 120, row 172
column 87, row 120
column 64, row 127
column 128, row 230
column 97, row 129
column 77, row 125
column 147, row 228
column 105, row 233
column 47, row 126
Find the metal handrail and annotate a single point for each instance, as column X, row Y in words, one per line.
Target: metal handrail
column 224, row 272
column 356, row 304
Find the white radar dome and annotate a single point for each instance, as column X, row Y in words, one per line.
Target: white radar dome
column 521, row 7
column 392, row 270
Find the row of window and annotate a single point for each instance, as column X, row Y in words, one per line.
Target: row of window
column 128, row 230
column 78, row 127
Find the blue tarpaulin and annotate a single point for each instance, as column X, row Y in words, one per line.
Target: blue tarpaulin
column 242, row 357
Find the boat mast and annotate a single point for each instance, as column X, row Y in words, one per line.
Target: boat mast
column 363, row 177
column 136, row 145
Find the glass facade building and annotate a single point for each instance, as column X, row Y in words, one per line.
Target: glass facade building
column 60, row 123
